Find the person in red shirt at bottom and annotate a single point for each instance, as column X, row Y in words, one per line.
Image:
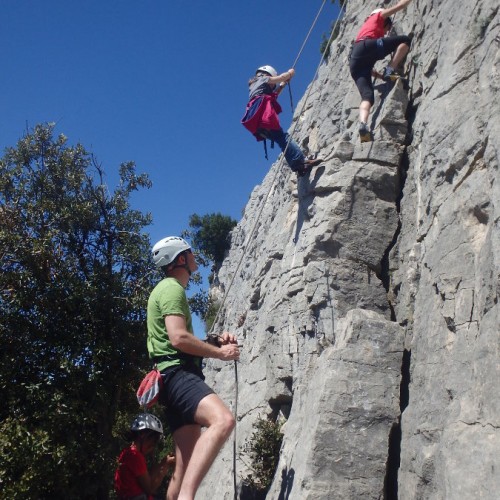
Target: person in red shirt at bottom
column 133, row 481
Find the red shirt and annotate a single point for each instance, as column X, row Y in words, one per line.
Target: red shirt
column 372, row 28
column 132, row 464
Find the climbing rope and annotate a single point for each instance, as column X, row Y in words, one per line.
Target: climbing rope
column 304, row 43
column 263, row 204
column 308, row 34
column 235, row 481
column 323, row 57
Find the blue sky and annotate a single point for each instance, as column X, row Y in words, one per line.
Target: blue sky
column 160, row 83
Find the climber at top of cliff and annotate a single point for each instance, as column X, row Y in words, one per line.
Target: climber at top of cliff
column 261, row 116
column 371, row 45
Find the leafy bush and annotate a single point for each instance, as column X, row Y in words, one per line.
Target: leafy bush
column 263, row 450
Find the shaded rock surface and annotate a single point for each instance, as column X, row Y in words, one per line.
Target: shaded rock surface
column 366, row 296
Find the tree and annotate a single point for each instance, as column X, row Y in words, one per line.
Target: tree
column 326, row 40
column 209, row 234
column 74, row 280
column 210, row 238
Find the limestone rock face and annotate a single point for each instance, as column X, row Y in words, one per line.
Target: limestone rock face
column 366, row 296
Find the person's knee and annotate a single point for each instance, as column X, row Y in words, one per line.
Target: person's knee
column 226, row 423
column 404, row 48
column 406, row 42
column 229, row 423
column 368, row 96
column 365, row 105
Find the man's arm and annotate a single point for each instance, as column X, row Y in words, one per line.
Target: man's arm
column 151, row 481
column 392, row 10
column 186, row 342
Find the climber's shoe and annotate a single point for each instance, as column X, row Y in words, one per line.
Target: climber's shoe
column 307, row 166
column 364, row 132
column 303, row 171
column 389, row 75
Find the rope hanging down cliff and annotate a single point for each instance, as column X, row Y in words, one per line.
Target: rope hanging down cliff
column 250, row 236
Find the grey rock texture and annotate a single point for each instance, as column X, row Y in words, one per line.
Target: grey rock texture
column 366, row 296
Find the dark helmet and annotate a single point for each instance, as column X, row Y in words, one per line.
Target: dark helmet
column 147, row 421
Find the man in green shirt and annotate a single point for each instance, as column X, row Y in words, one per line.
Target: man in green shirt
column 190, row 403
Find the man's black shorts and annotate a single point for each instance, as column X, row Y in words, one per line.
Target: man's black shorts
column 183, row 389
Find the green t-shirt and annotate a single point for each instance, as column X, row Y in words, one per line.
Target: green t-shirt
column 168, row 297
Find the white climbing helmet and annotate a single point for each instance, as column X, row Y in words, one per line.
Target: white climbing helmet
column 147, row 421
column 268, row 69
column 166, row 250
column 376, row 11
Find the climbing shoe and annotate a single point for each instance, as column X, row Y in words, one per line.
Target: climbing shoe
column 389, row 75
column 364, row 132
column 307, row 166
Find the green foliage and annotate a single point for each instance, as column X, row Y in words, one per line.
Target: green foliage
column 210, row 314
column 209, row 235
column 74, row 280
column 326, row 40
column 202, row 305
column 342, row 3
column 198, row 303
column 263, row 450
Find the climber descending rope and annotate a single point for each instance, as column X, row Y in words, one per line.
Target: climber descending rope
column 250, row 236
column 263, row 204
column 261, row 117
column 370, row 46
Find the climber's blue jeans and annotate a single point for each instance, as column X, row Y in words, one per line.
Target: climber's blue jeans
column 293, row 155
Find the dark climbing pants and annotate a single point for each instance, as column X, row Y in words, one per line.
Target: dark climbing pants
column 365, row 54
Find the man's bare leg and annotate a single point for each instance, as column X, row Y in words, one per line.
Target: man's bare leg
column 219, row 422
column 185, row 439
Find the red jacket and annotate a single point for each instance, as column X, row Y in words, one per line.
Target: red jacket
column 262, row 113
column 372, row 28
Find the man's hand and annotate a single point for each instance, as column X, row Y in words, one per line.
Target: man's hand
column 228, row 338
column 168, row 461
column 229, row 352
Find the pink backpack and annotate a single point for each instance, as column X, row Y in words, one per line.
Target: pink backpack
column 262, row 113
